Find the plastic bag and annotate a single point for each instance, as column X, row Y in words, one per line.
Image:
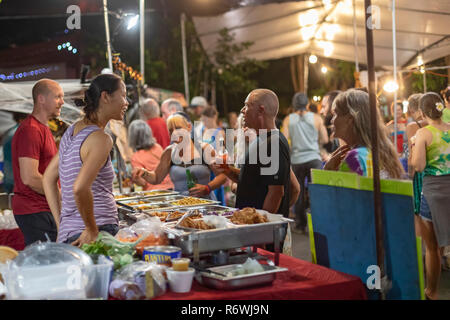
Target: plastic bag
column 139, row 280
column 148, row 232
column 217, row 221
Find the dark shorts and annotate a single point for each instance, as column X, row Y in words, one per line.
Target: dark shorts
column 110, row 228
column 35, row 226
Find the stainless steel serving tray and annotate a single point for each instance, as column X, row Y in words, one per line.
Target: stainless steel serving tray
column 146, row 194
column 237, row 282
column 234, row 237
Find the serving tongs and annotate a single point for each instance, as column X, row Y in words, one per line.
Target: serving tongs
column 190, row 213
column 200, row 269
column 130, row 208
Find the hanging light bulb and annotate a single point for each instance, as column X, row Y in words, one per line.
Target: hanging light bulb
column 324, row 69
column 312, row 59
column 390, row 86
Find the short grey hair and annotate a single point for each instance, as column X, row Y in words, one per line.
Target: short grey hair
column 173, row 105
column 150, row 108
column 140, row 135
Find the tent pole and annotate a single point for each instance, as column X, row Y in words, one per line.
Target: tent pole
column 108, row 41
column 376, row 169
column 394, row 52
column 355, row 37
column 185, row 67
column 142, row 39
column 424, row 76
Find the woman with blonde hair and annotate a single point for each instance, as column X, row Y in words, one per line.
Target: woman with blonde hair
column 351, row 121
column 181, row 156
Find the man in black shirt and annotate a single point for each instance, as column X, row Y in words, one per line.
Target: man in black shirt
column 266, row 180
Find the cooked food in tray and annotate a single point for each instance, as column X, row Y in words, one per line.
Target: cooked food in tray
column 121, row 196
column 191, row 223
column 248, row 216
column 154, row 193
column 135, row 203
column 189, row 201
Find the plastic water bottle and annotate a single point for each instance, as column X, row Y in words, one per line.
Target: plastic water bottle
column 189, row 179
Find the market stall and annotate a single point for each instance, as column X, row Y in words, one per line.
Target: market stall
column 179, row 247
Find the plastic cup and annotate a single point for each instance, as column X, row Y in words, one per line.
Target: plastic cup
column 180, row 264
column 180, row 281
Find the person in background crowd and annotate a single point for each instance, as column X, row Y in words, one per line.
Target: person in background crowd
column 169, row 107
column 325, row 111
column 274, row 192
column 147, row 153
column 198, row 104
column 175, row 161
column 307, row 133
column 431, row 154
column 8, row 178
column 401, row 127
column 33, row 147
column 213, row 134
column 150, row 114
column 417, row 122
column 312, row 107
column 86, row 203
column 351, row 121
column 232, row 120
column 446, row 112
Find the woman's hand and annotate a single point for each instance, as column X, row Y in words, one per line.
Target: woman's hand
column 337, row 157
column 199, row 190
column 87, row 236
column 137, row 174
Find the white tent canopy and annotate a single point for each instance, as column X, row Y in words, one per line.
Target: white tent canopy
column 17, row 97
column 325, row 28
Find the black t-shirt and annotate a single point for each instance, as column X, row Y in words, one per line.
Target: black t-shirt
column 261, row 171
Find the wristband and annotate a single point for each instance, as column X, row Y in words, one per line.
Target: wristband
column 208, row 188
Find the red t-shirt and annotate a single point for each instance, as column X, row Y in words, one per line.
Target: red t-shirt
column 160, row 132
column 31, row 140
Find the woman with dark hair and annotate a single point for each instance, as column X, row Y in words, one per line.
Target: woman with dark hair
column 431, row 154
column 84, row 168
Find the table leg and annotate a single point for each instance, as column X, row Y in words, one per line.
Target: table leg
column 276, row 244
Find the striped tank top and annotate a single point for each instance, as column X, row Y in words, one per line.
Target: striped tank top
column 105, row 209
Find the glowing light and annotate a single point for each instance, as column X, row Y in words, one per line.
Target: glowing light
column 64, row 45
column 331, row 30
column 309, row 18
column 419, row 61
column 327, row 4
column 327, row 47
column 70, row 48
column 59, row 47
column 67, row 44
column 405, row 106
column 308, row 32
column 422, row 69
column 74, row 50
column 66, row 31
column 390, row 86
column 324, row 69
column 312, row 59
column 132, row 22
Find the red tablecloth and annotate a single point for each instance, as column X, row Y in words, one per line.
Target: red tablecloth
column 303, row 281
column 12, row 238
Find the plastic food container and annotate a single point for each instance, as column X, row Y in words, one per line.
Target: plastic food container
column 180, row 264
column 180, row 281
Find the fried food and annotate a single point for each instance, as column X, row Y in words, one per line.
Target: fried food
column 189, row 201
column 195, row 224
column 248, row 216
column 161, row 215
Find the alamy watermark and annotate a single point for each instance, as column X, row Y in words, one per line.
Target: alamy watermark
column 74, row 20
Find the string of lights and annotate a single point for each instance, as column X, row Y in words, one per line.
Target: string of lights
column 121, row 66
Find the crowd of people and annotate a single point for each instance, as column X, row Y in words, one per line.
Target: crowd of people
column 67, row 194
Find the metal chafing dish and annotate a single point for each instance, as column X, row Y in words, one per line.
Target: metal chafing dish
column 144, row 194
column 194, row 243
column 162, row 203
column 230, row 282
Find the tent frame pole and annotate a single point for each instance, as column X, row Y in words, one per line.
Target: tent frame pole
column 108, row 40
column 394, row 53
column 185, row 66
column 376, row 169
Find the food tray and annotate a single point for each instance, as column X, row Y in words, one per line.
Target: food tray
column 144, row 194
column 237, row 282
column 236, row 236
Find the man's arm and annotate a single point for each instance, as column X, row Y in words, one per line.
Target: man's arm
column 29, row 173
column 323, row 134
column 285, row 127
column 295, row 189
column 52, row 192
column 273, row 199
